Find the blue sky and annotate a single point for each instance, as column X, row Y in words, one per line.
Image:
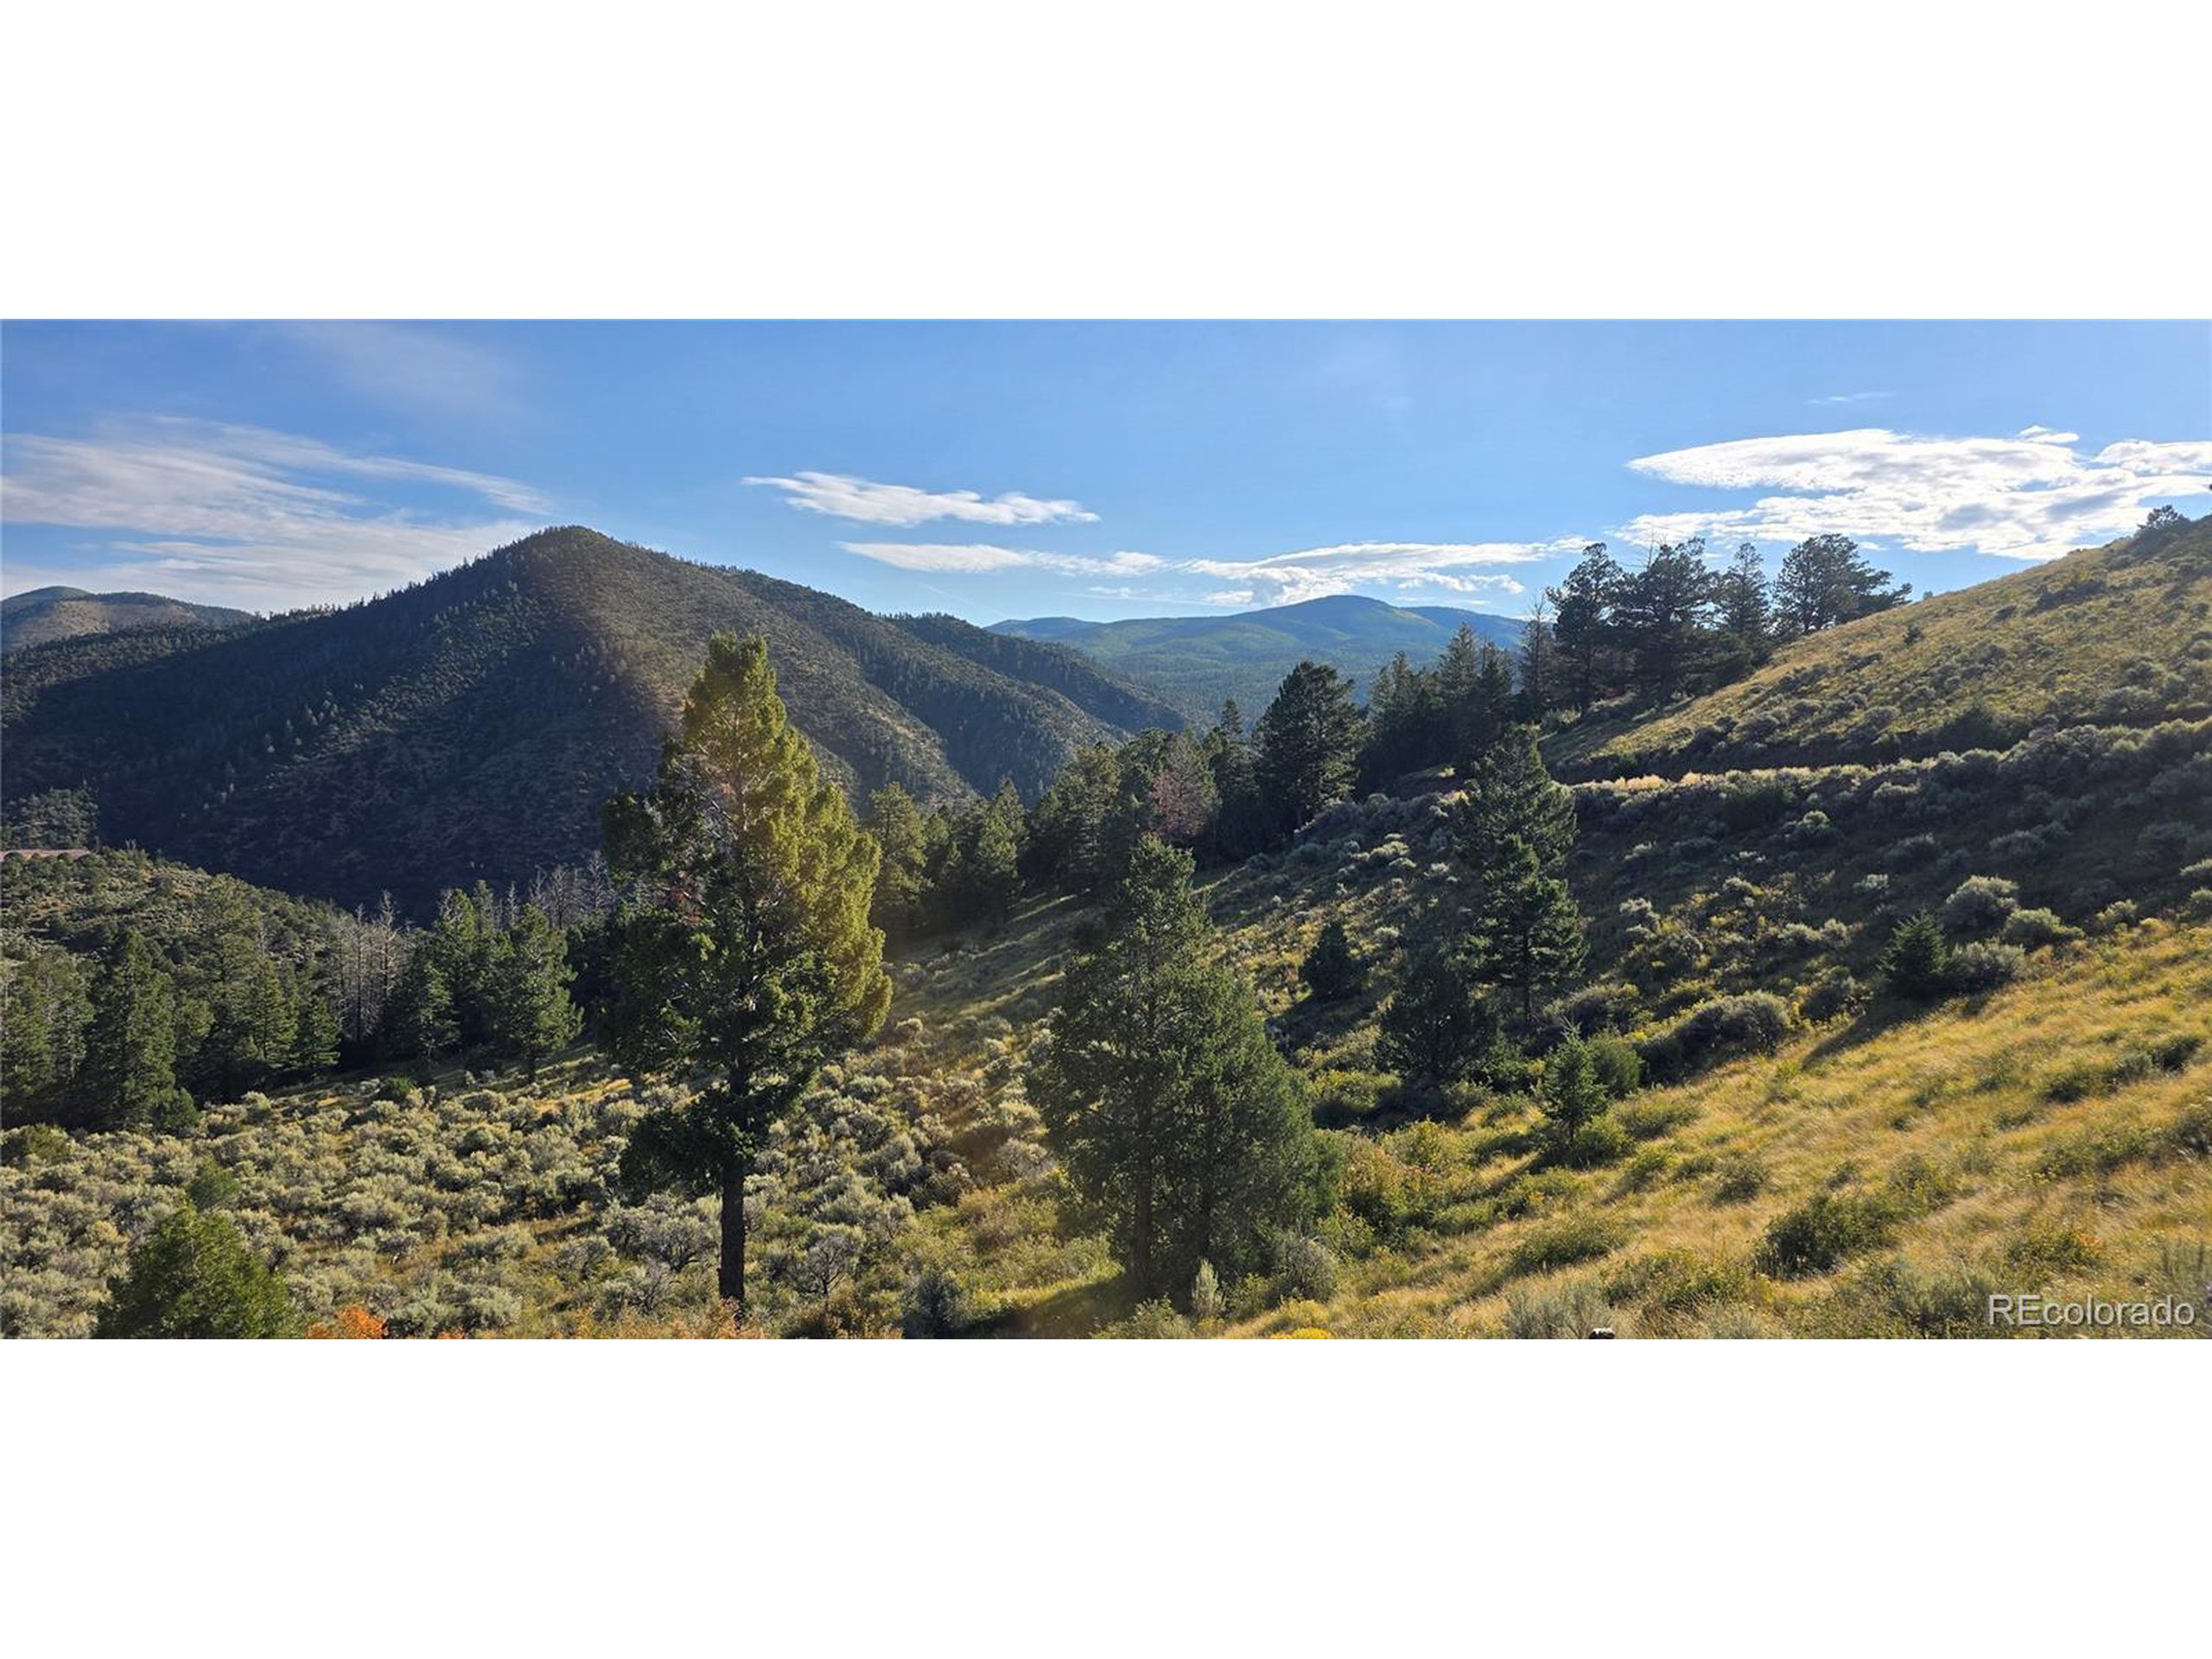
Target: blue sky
column 1096, row 469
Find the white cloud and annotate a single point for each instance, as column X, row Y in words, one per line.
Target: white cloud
column 1316, row 572
column 242, row 516
column 1443, row 568
column 864, row 502
column 2031, row 496
column 969, row 559
column 1850, row 398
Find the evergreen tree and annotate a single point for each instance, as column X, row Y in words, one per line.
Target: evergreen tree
column 1515, row 828
column 902, row 836
column 1823, row 583
column 1528, row 931
column 419, row 1024
column 744, row 956
column 1573, row 1095
column 1405, row 723
column 1180, row 1126
column 253, row 1023
column 1917, row 961
column 43, row 1018
column 463, row 942
column 1582, row 621
column 531, row 1014
column 1746, row 613
column 1660, row 615
column 1510, row 795
column 981, row 880
column 1309, row 744
column 314, row 1031
column 1539, row 664
column 1436, row 1026
column 1332, row 969
column 130, row 1071
column 193, row 1276
column 1240, row 824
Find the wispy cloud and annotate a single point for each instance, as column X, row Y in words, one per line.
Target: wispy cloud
column 1406, row 566
column 1441, row 567
column 2034, row 495
column 865, row 502
column 423, row 370
column 244, row 516
column 970, row 558
column 1850, row 398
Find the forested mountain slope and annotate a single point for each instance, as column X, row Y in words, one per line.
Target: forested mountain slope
column 473, row 726
column 49, row 614
column 1199, row 661
column 2116, row 636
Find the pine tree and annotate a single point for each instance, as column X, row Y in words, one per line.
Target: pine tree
column 1582, row 621
column 531, row 1014
column 1436, row 1026
column 1332, row 969
column 1573, row 1095
column 1528, row 930
column 1511, row 795
column 1917, row 961
column 314, row 1031
column 1240, row 824
column 1659, row 615
column 902, row 882
column 1180, row 1126
column 1309, row 744
column 419, row 1024
column 744, row 953
column 129, row 1079
column 1746, row 613
column 1823, row 583
column 193, row 1276
column 1515, row 828
column 1539, row 664
column 43, row 1018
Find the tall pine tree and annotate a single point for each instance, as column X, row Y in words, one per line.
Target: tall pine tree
column 1180, row 1126
column 744, row 958
column 1309, row 744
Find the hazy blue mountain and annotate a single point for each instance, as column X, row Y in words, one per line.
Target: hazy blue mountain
column 1198, row 661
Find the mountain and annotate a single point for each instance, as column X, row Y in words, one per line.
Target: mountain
column 472, row 725
column 1200, row 661
column 45, row 615
column 2116, row 636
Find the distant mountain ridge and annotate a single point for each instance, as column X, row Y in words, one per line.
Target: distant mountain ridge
column 45, row 615
column 473, row 726
column 1198, row 661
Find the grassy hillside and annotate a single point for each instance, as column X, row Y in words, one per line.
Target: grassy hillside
column 2118, row 636
column 45, row 615
column 1200, row 661
column 473, row 726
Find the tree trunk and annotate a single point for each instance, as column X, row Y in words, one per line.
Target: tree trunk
column 732, row 1263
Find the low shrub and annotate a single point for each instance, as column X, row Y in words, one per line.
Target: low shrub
column 1980, row 903
column 1818, row 1235
column 1983, row 965
column 1563, row 1242
column 2032, row 929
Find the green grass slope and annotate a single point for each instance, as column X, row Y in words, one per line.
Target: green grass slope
column 2118, row 636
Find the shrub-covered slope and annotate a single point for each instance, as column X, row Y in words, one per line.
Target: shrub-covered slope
column 473, row 726
column 2118, row 636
